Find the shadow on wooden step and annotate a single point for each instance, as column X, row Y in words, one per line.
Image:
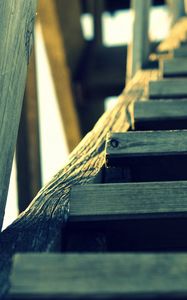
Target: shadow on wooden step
column 130, row 235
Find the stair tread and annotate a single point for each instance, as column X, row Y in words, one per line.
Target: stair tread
column 146, row 143
column 168, row 88
column 160, row 109
column 160, row 115
column 128, row 201
column 174, row 67
column 106, row 276
column 180, row 52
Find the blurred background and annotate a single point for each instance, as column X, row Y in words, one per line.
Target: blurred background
column 77, row 70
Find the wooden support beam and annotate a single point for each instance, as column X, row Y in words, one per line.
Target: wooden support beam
column 93, row 276
column 168, row 88
column 149, row 155
column 68, row 14
column 128, row 201
column 28, row 146
column 160, row 115
column 55, row 46
column 97, row 19
column 173, row 67
column 16, row 35
column 138, row 51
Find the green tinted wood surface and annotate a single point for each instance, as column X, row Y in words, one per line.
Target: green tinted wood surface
column 128, row 201
column 168, row 88
column 160, row 110
column 174, row 67
column 103, row 276
column 147, row 143
column 180, row 52
column 16, row 36
column 39, row 227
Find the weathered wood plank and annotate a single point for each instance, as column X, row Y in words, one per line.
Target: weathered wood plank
column 168, row 88
column 55, row 46
column 160, row 114
column 147, row 143
column 128, row 201
column 139, row 50
column 173, row 67
column 98, row 10
column 28, row 145
column 180, row 51
column 150, row 155
column 16, row 19
column 93, row 276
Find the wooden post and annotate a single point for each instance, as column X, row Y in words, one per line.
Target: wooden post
column 54, row 39
column 97, row 19
column 138, row 50
column 68, row 15
column 28, row 148
column 16, row 35
column 177, row 9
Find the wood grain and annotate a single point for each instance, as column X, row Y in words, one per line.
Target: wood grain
column 93, row 276
column 128, row 201
column 39, row 226
column 160, row 114
column 146, row 143
column 149, row 155
column 16, row 35
column 168, row 88
column 28, row 144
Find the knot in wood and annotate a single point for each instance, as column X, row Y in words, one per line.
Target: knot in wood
column 114, row 143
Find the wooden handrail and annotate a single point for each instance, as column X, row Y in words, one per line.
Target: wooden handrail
column 39, row 226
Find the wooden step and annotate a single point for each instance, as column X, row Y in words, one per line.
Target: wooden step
column 123, row 201
column 168, row 88
column 180, row 52
column 174, row 67
column 160, row 115
column 127, row 217
column 149, row 155
column 98, row 276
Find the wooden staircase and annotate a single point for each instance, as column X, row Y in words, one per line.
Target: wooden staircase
column 132, row 218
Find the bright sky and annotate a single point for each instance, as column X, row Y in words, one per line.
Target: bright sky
column 54, row 149
column 113, row 24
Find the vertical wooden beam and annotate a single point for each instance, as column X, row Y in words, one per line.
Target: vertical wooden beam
column 68, row 14
column 98, row 9
column 57, row 54
column 138, row 50
column 16, row 28
column 28, row 148
column 177, row 9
